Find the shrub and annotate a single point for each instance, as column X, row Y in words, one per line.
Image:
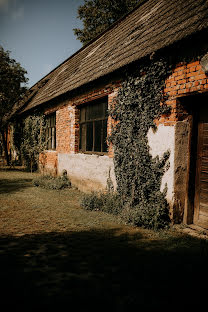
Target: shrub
column 52, row 183
column 153, row 216
column 106, row 202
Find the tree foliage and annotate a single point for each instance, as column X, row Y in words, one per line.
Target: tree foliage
column 98, row 15
column 12, row 89
column 12, row 83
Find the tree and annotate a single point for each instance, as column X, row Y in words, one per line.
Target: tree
column 12, row 89
column 98, row 15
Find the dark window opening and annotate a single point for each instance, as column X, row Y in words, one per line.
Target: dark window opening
column 51, row 131
column 93, row 127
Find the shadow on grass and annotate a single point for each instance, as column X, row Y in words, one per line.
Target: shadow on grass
column 14, row 185
column 100, row 270
column 14, row 168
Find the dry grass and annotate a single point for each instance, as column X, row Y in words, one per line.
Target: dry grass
column 55, row 254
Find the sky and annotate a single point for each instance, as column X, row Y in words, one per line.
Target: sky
column 39, row 33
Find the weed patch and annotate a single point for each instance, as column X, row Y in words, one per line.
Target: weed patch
column 52, row 183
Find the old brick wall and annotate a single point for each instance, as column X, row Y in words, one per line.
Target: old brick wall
column 186, row 79
column 67, row 139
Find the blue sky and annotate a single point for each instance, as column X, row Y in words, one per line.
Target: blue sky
column 39, row 33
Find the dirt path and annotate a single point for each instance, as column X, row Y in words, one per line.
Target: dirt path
column 53, row 254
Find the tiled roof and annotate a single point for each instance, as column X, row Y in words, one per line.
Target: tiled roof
column 150, row 27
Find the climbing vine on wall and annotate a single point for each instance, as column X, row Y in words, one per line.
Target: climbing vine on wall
column 138, row 174
column 29, row 138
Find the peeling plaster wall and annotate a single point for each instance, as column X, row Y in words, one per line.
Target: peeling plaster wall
column 87, row 172
column 161, row 141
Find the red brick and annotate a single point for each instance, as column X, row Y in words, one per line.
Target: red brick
column 193, row 64
column 201, row 76
column 171, row 93
column 196, row 83
column 192, row 69
column 198, row 67
column 181, row 91
column 179, row 77
column 192, row 74
column 182, row 81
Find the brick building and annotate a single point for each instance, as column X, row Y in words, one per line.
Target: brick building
column 75, row 97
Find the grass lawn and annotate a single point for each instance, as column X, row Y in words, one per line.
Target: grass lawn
column 54, row 254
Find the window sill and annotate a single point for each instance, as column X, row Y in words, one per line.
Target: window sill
column 94, row 153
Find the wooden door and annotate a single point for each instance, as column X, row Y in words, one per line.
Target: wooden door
column 201, row 184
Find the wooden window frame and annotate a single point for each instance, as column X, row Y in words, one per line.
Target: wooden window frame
column 51, row 131
column 103, row 102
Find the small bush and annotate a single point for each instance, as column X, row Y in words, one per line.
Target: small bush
column 149, row 216
column 106, row 202
column 52, row 183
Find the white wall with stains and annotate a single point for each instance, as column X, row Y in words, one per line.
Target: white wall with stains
column 87, row 172
column 161, row 141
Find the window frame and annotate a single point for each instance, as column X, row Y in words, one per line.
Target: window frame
column 51, row 132
column 104, row 119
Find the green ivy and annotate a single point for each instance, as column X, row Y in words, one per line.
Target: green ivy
column 138, row 174
column 30, row 139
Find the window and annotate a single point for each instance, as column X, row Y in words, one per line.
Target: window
column 93, row 127
column 51, row 131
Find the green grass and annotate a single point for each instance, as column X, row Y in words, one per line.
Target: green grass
column 54, row 254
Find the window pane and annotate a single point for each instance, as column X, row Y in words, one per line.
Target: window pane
column 82, row 114
column 104, row 137
column 53, row 141
column 97, row 139
column 51, row 131
column 82, row 137
column 94, row 111
column 49, row 138
column 89, row 136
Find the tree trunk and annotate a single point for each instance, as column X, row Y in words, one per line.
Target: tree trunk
column 4, row 139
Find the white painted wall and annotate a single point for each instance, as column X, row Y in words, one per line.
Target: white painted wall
column 161, row 141
column 87, row 172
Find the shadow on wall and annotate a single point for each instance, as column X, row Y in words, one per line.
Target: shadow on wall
column 98, row 270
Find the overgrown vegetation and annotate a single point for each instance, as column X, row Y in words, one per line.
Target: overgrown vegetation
column 29, row 139
column 139, row 102
column 52, row 183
